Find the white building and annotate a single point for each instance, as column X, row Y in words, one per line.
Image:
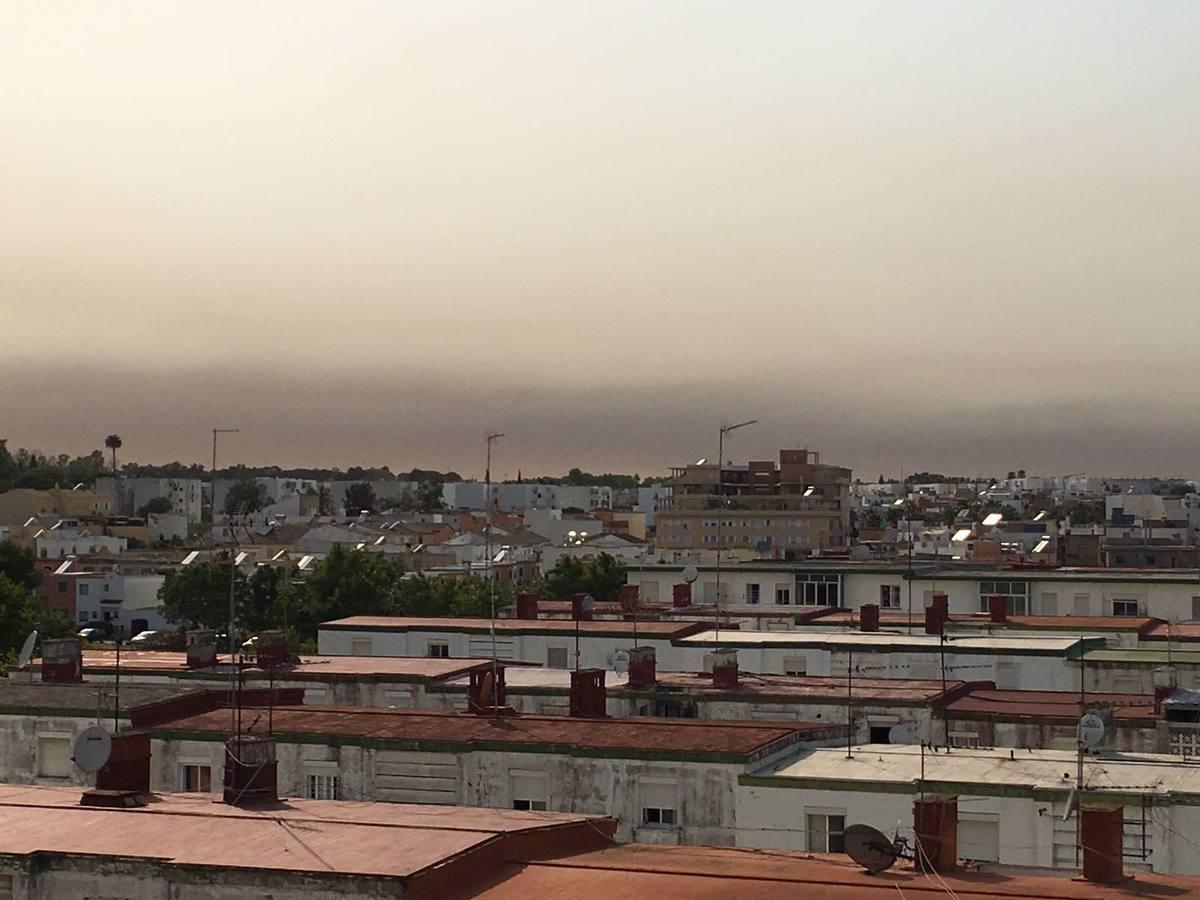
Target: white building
column 1012, row 805
column 59, row 543
column 185, row 494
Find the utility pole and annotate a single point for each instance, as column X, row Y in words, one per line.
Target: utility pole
column 212, row 499
column 725, row 429
column 490, row 438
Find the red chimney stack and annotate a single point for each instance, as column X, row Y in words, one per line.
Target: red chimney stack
column 589, row 696
column 642, row 665
column 527, row 605
column 868, row 617
column 250, row 770
column 581, row 607
column 681, row 596
column 998, row 608
column 1101, row 828
column 935, row 826
column 62, row 660
column 485, row 692
column 724, row 668
column 935, row 620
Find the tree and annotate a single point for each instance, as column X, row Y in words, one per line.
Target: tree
column 345, row 583
column 448, row 596
column 113, row 442
column 360, row 496
column 21, row 613
column 19, row 565
column 245, row 496
column 601, row 576
column 429, row 495
column 155, row 506
column 262, row 602
column 197, row 596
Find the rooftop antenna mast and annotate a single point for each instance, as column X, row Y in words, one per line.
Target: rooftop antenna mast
column 725, row 429
column 490, row 438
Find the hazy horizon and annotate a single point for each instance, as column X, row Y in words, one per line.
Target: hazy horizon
column 911, row 235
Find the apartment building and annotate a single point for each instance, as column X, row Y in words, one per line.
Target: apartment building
column 782, row 510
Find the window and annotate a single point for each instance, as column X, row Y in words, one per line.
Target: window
column 881, row 734
column 889, row 596
column 556, row 657
column 323, row 787
column 62, row 587
column 83, row 589
column 528, row 790
column 195, row 779
column 439, row 649
column 817, row 589
column 826, row 833
column 795, row 665
column 659, row 804
column 783, row 596
column 54, row 756
column 1125, row 607
column 1016, row 593
column 752, row 593
column 83, row 616
column 1195, row 609
column 360, row 646
column 966, row 739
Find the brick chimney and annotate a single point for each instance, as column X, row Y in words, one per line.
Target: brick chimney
column 629, row 596
column 128, row 766
column 681, row 596
column 1161, row 693
column 935, row 620
column 272, row 650
column 62, row 660
column 581, row 607
column 724, row 667
column 1101, row 828
column 589, row 696
column 642, row 662
column 527, row 605
column 868, row 617
column 935, row 826
column 485, row 693
column 250, row 770
column 941, row 601
column 998, row 608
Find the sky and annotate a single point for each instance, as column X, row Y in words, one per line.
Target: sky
column 949, row 236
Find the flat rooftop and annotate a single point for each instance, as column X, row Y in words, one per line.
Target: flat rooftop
column 32, row 697
column 1059, row 705
column 718, row 873
column 891, row 618
column 457, row 732
column 982, row 772
column 660, row 630
column 884, row 642
column 318, row 836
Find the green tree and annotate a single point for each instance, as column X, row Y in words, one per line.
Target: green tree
column 345, row 583
column 197, row 596
column 429, row 495
column 360, row 496
column 448, row 596
column 601, row 576
column 21, row 613
column 262, row 601
column 155, row 506
column 245, row 496
column 113, row 442
column 19, row 565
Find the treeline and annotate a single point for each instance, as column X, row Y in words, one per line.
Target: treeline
column 608, row 479
column 354, row 583
column 40, row 471
column 20, row 610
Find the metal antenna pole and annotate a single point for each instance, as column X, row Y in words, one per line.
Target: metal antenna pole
column 849, row 702
column 487, row 564
column 725, row 429
column 117, row 688
column 212, row 500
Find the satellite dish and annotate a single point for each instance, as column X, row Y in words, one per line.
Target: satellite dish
column 902, row 734
column 487, row 691
column 92, row 749
column 870, row 848
column 27, row 650
column 620, row 662
column 587, row 603
column 1091, row 730
column 690, row 574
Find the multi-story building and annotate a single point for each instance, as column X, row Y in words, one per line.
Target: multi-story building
column 186, row 495
column 784, row 511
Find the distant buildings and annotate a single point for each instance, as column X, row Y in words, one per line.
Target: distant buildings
column 780, row 511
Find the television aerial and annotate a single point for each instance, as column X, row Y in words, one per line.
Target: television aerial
column 690, row 574
column 27, row 650
column 620, row 662
column 92, row 749
column 874, row 850
column 1091, row 730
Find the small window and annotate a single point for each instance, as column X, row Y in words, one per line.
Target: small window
column 83, row 589
column 62, row 587
column 439, row 649
column 783, row 596
column 795, row 665
column 1125, row 608
column 657, row 815
column 360, row 646
column 826, row 833
column 659, row 802
column 54, row 757
column 83, row 616
column 528, row 790
column 324, row 787
column 889, row 596
column 752, row 593
column 195, row 779
column 968, row 740
column 556, row 657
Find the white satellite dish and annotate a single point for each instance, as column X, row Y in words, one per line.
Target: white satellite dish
column 27, row 650
column 587, row 603
column 620, row 662
column 92, row 749
column 902, row 734
column 1091, row 730
column 690, row 574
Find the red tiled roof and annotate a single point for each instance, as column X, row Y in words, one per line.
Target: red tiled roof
column 417, row 623
column 1064, row 705
column 814, row 687
column 718, row 873
column 633, row 736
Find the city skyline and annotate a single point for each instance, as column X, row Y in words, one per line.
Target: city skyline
column 911, row 235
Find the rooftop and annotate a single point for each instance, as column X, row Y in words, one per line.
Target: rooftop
column 20, row 697
column 452, row 732
column 1064, row 705
column 983, row 772
column 883, row 641
column 717, row 873
column 317, row 836
column 840, row 616
column 667, row 630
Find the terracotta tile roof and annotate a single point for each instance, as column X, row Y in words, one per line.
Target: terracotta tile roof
column 1061, row 705
column 563, row 734
column 668, row 630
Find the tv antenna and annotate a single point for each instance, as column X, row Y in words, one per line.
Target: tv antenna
column 873, row 850
column 92, row 749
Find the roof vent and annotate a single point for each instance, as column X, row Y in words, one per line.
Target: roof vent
column 201, row 648
column 485, row 690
